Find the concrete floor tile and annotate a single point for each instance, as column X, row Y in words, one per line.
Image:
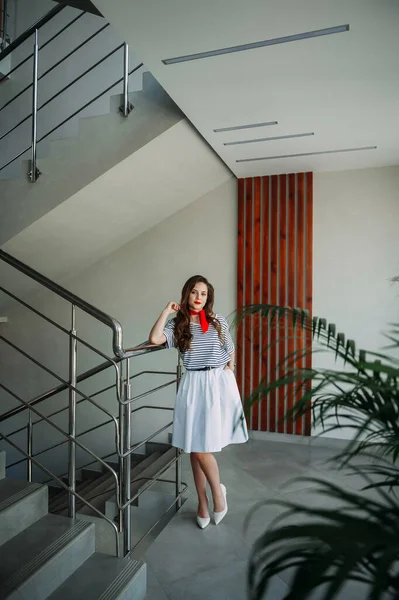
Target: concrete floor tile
column 154, row 589
column 221, row 583
column 184, row 550
column 189, row 563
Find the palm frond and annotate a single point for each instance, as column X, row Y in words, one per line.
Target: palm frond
column 327, row 547
column 362, row 397
column 358, row 541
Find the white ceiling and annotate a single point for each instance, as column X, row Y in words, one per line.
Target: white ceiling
column 163, row 180
column 344, row 87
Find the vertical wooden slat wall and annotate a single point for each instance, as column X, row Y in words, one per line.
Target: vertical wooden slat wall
column 274, row 266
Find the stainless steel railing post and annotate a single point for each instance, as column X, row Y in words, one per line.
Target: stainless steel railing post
column 127, row 542
column 29, row 446
column 4, row 28
column 72, row 414
column 126, row 107
column 178, row 478
column 121, row 521
column 34, row 173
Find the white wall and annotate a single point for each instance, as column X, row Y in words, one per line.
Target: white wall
column 356, row 251
column 133, row 285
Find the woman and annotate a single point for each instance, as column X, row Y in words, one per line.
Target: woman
column 208, row 413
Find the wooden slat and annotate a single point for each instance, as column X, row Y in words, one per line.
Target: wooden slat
column 265, row 294
column 291, row 285
column 248, row 285
column 309, row 281
column 273, row 299
column 273, row 236
column 300, row 276
column 240, row 280
column 256, row 298
column 282, row 298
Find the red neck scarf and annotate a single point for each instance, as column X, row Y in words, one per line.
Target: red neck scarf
column 203, row 322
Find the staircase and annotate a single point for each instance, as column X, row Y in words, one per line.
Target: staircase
column 80, row 63
column 106, row 178
column 97, row 487
column 94, row 110
column 81, row 543
column 46, row 556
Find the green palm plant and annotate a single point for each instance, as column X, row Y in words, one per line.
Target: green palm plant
column 323, row 547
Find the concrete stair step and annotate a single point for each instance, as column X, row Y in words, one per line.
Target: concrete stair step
column 157, row 447
column 104, row 577
column 59, row 500
column 21, row 505
column 41, row 558
column 83, row 487
column 135, row 459
column 93, row 487
column 100, row 494
column 150, row 470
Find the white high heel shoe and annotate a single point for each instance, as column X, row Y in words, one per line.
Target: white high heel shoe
column 218, row 516
column 203, row 522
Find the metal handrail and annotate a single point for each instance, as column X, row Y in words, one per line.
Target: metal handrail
column 58, row 33
column 93, row 462
column 133, row 480
column 125, row 108
column 123, row 451
column 147, row 439
column 144, row 394
column 66, row 487
column 74, row 114
column 55, row 391
column 81, row 434
column 31, row 30
column 152, row 407
column 108, row 89
column 112, row 361
column 152, row 479
column 113, row 453
column 60, row 430
column 106, row 389
column 68, row 385
column 57, row 64
column 86, row 431
column 101, row 316
column 140, row 351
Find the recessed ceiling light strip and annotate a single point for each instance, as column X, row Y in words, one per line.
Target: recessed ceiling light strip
column 269, row 139
column 241, row 160
column 281, row 40
column 251, row 126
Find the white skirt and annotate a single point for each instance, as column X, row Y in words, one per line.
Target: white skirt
column 208, row 413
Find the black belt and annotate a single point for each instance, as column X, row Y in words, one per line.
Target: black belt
column 203, row 369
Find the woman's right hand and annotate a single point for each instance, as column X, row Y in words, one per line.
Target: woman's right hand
column 172, row 307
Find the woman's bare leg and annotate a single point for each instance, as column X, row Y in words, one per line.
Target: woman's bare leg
column 200, row 485
column 206, row 462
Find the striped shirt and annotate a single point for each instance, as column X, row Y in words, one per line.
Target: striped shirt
column 206, row 349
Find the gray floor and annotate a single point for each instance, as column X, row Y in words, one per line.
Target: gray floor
column 185, row 563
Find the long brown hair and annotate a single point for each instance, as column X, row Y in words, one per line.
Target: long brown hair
column 183, row 335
